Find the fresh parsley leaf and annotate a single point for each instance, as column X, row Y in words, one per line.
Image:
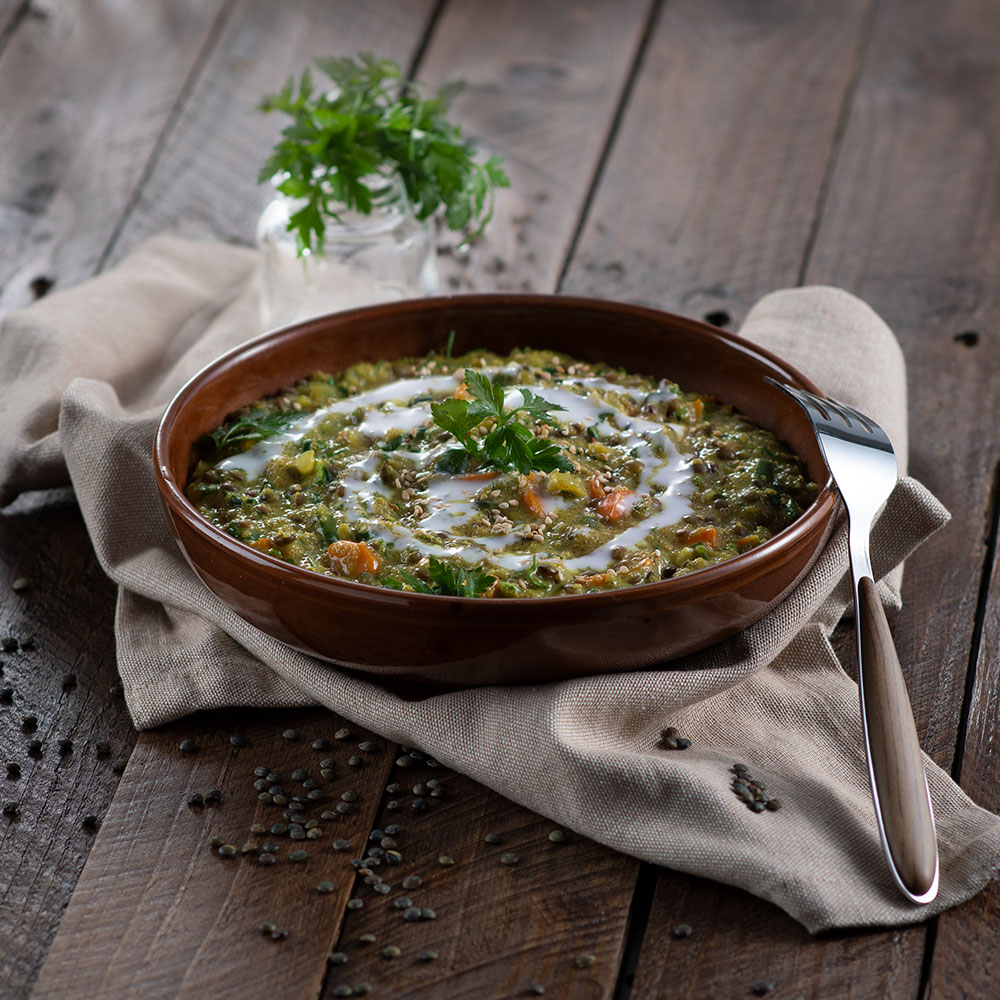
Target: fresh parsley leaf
column 453, row 461
column 374, row 122
column 510, row 444
column 254, row 427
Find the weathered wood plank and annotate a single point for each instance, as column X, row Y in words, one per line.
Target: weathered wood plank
column 158, row 913
column 543, row 85
column 87, row 91
column 966, row 949
column 912, row 225
column 62, row 625
column 498, row 927
column 708, row 196
column 703, row 209
column 203, row 182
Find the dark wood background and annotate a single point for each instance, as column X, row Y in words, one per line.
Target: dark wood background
column 690, row 154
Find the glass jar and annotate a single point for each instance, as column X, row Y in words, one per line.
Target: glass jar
column 386, row 255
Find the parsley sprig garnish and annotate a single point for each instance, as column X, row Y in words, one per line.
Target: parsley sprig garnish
column 254, row 427
column 510, row 444
column 452, row 581
column 374, row 122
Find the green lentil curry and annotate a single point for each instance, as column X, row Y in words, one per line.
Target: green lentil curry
column 349, row 475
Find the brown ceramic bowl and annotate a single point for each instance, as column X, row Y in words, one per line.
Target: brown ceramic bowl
column 462, row 641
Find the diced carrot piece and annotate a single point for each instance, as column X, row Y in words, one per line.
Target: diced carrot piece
column 697, row 407
column 530, row 498
column 462, row 392
column 707, row 536
column 592, row 579
column 615, row 505
column 262, row 544
column 352, row 558
column 747, row 541
column 595, row 488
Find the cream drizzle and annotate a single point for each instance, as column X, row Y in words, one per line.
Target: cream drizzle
column 450, row 502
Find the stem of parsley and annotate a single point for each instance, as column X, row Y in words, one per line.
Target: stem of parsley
column 374, row 122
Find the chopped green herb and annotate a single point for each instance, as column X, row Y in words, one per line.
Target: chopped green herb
column 254, row 427
column 453, row 581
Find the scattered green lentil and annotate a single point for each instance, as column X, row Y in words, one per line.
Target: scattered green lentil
column 420, row 789
column 402, row 902
column 362, row 989
column 6, row 695
column 11, row 809
column 584, row 961
column 557, row 836
column 427, row 955
column 404, row 762
column 258, row 828
column 216, row 842
column 103, row 749
column 391, row 951
column 428, row 914
column 29, row 723
column 345, row 808
column 265, row 858
column 314, row 833
column 328, row 773
column 321, row 744
column 65, row 746
column 266, row 927
column 248, row 848
column 214, row 797
column 773, row 804
column 69, row 681
column 14, row 770
column 412, row 881
column 325, row 887
column 411, row 913
column 342, row 734
column 355, row 904
column 279, row 935
column 762, row 987
column 89, row 822
column 510, row 858
column 446, row 859
column 393, row 857
column 338, row 958
column 392, row 805
column 382, row 888
column 355, row 761
column 341, row 845
column 20, row 584
column 682, row 931
column 342, row 991
column 196, row 799
column 493, row 838
column 186, row 746
column 35, row 748
column 296, row 856
column 392, row 829
column 393, row 788
column 290, row 734
column 227, row 851
column 118, row 765
column 367, row 939
column 535, row 988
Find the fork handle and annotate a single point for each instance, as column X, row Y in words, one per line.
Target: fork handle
column 899, row 786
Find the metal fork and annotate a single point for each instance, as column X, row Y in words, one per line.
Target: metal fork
column 863, row 465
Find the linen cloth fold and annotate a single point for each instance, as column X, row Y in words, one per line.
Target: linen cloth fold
column 85, row 375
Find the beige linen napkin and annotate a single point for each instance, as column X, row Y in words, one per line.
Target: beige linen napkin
column 85, row 375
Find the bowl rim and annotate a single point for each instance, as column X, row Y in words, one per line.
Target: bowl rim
column 685, row 588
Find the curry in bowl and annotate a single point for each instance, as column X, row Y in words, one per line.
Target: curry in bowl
column 530, row 474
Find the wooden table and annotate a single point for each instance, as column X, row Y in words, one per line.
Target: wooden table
column 690, row 154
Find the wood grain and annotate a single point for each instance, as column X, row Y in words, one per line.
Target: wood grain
column 708, row 196
column 966, row 948
column 95, row 85
column 543, row 85
column 202, row 182
column 157, row 913
column 498, row 927
column 894, row 751
column 738, row 941
column 62, row 623
column 912, row 225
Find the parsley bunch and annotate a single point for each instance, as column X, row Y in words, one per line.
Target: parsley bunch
column 510, row 444
column 374, row 123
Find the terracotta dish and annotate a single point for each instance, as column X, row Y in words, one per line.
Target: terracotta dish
column 463, row 641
